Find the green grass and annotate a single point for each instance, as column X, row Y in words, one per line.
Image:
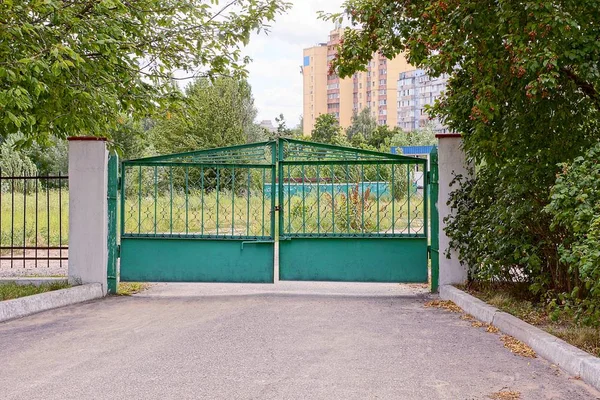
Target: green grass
column 11, row 290
column 129, row 288
column 50, row 230
column 516, row 299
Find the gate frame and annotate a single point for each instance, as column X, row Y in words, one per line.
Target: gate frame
column 192, row 263
column 364, row 272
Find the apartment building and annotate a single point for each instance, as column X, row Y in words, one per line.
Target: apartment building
column 415, row 90
column 375, row 88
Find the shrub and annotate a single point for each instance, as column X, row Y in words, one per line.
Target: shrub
column 575, row 209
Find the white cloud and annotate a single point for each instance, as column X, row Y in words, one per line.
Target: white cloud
column 275, row 71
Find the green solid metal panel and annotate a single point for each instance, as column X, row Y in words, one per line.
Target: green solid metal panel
column 189, row 260
column 353, row 260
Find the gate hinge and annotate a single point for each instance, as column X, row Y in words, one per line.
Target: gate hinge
column 429, row 252
column 428, row 177
column 118, row 251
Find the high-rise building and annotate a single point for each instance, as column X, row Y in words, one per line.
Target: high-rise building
column 415, row 90
column 375, row 88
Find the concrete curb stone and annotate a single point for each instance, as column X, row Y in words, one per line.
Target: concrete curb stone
column 23, row 306
column 471, row 305
column 573, row 360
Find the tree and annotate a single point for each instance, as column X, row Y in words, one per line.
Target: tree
column 362, row 123
column 74, row 67
column 418, row 137
column 214, row 114
column 524, row 93
column 326, row 129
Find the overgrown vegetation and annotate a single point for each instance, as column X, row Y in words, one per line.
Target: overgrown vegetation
column 524, row 93
column 77, row 67
column 11, row 290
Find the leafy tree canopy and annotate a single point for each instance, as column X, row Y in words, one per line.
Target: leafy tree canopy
column 326, row 129
column 523, row 91
column 74, row 67
column 213, row 114
column 361, row 123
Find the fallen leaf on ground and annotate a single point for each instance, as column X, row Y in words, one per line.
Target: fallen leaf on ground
column 506, row 395
column 517, row 347
column 492, row 329
column 467, row 317
column 444, row 304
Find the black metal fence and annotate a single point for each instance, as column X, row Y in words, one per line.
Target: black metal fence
column 34, row 223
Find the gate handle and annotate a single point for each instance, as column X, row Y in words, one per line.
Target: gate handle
column 256, row 242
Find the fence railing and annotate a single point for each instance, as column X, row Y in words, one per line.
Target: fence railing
column 34, row 222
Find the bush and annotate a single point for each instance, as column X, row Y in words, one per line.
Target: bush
column 575, row 209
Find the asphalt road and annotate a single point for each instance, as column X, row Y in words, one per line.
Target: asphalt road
column 294, row 341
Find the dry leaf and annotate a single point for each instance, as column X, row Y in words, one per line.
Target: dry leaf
column 506, row 395
column 517, row 347
column 444, row 304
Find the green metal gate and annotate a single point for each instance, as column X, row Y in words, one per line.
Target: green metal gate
column 351, row 215
column 203, row 216
column 210, row 216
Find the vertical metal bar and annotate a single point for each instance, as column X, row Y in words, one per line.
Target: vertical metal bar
column 282, row 231
column 303, row 199
column 12, row 220
column 332, row 199
column 378, row 176
column 433, row 203
column 112, row 193
column 36, row 219
column 289, row 199
column 425, row 201
column 48, row 217
column 123, row 194
column 171, row 199
column 318, row 200
column 202, row 200
column 232, row 200
column 1, row 207
column 155, row 198
column 218, row 189
column 393, row 201
column 187, row 170
column 248, row 205
column 139, row 199
column 408, row 186
column 60, row 218
column 263, row 201
column 362, row 197
column 24, row 217
column 347, row 200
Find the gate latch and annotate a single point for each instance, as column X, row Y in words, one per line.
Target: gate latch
column 277, row 208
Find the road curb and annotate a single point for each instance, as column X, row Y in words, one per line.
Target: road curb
column 571, row 359
column 23, row 306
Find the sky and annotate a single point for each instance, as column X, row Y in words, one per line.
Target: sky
column 274, row 72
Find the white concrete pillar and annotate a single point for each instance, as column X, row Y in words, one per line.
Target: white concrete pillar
column 88, row 215
column 452, row 162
